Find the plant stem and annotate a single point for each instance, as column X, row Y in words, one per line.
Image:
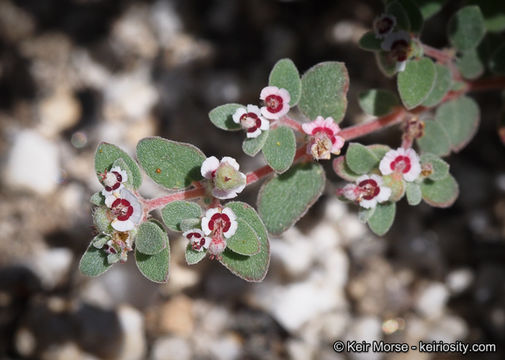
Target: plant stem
column 437, row 54
column 364, row 129
column 494, row 83
column 157, row 203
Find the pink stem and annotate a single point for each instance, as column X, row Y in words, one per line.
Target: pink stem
column 437, row 54
column 363, row 129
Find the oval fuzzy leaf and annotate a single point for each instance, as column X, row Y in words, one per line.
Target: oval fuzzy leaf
column 101, row 220
column 176, row 211
column 252, row 146
column 386, row 63
column 324, row 91
column 342, row 169
column 154, row 267
column 397, row 186
column 97, row 199
column 151, row 238
column 188, row 224
column 94, row 262
column 370, row 42
column 172, row 164
column 192, row 256
column 493, row 12
column 244, row 241
column 382, row 218
column 280, row 148
column 360, row 159
column 378, row 102
column 416, row 81
column 441, row 193
column 497, row 61
column 123, row 166
column 105, row 156
column 439, row 168
column 414, row 195
column 435, row 139
column 466, row 28
column 379, row 150
column 286, row 198
column 285, row 75
column 470, row 65
column 222, row 117
column 255, row 267
column 442, row 85
column 460, row 119
column 398, row 11
column 415, row 16
column 429, row 8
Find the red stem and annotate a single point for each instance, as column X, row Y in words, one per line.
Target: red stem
column 363, row 129
column 437, row 54
column 152, row 204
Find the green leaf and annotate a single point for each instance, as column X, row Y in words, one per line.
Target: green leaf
column 360, row 159
column 192, row 256
column 105, row 156
column 416, row 81
column 171, row 164
column 382, row 218
column 435, row 139
column 101, row 220
column 470, row 65
column 370, row 42
column 100, row 240
column 123, row 166
column 460, row 119
column 249, row 268
column 342, row 169
column 252, row 146
column 397, row 186
column 286, row 198
column 151, row 238
column 378, row 102
column 285, row 75
column 365, row 214
column 222, row 117
column 154, row 267
column 176, row 211
column 379, row 150
column 439, row 167
column 429, row 7
column 497, row 62
column 280, row 148
column 441, row 193
column 466, row 28
column 398, row 11
column 244, row 241
column 442, row 85
column 414, row 195
column 324, row 91
column 386, row 63
column 94, row 262
column 493, row 12
column 188, row 224
column 414, row 14
column 97, row 199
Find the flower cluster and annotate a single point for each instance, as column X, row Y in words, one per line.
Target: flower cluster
column 226, row 179
column 324, row 139
column 397, row 43
column 218, row 225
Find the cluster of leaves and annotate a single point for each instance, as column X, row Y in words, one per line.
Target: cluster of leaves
column 437, row 117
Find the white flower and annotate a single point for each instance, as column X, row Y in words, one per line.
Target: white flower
column 197, row 238
column 227, row 180
column 324, row 138
column 384, row 25
column 251, row 120
column 126, row 209
column 276, row 102
column 371, row 191
column 118, row 246
column 401, row 161
column 220, row 224
column 113, row 180
column 399, row 46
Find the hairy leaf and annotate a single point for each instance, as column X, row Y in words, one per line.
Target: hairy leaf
column 285, row 75
column 416, row 81
column 105, row 156
column 222, row 117
column 378, row 102
column 280, row 148
column 176, row 211
column 466, row 28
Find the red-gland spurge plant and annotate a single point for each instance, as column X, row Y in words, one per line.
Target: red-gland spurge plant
column 433, row 110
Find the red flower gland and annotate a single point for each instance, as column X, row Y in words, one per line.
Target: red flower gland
column 197, row 239
column 122, row 209
column 404, row 162
column 113, row 180
column 251, row 120
column 220, row 224
column 368, row 191
column 126, row 209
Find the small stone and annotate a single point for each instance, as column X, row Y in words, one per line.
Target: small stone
column 299, row 350
column 334, row 210
column 432, row 299
column 134, row 342
column 294, row 252
column 459, row 280
column 176, row 316
column 58, row 112
column 171, row 348
column 366, row 328
column 25, row 342
column 33, row 163
column 66, row 351
column 51, row 265
column 324, row 236
column 227, row 347
column 448, row 329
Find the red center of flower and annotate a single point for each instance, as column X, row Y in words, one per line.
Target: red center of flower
column 219, row 222
column 273, row 103
column 401, row 164
column 119, row 178
column 325, row 130
column 384, row 25
column 369, row 189
column 197, row 240
column 250, row 121
column 400, row 49
column 122, row 209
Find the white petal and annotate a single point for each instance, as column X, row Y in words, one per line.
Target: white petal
column 231, row 231
column 368, row 204
column 223, row 194
column 265, row 124
column 383, row 194
column 377, row 179
column 269, row 90
column 205, row 220
column 385, row 164
column 254, row 109
column 284, row 110
column 400, row 66
column 413, row 173
column 109, row 200
column 208, row 166
column 124, row 176
column 122, row 225
column 186, row 233
column 231, row 161
column 266, row 113
column 229, row 212
column 284, row 94
column 238, row 114
column 254, row 134
column 208, row 240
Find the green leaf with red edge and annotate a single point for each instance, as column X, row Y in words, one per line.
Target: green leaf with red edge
column 324, row 91
column 440, row 193
column 285, row 75
column 435, row 139
column 94, row 261
column 442, row 85
column 172, row 164
column 386, row 63
column 429, row 8
column 252, row 146
column 244, row 241
column 370, row 42
column 285, row 198
column 466, row 28
column 342, row 169
column 192, row 256
column 460, row 118
column 360, row 159
column 105, row 156
column 382, row 218
column 222, row 117
column 155, row 267
column 280, row 148
column 414, row 194
column 102, row 220
column 176, row 211
column 416, row 81
column 470, row 65
column 493, row 12
column 396, row 184
column 254, row 267
column 378, row 102
column 439, row 168
column 151, row 238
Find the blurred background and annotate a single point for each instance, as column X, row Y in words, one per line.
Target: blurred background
column 77, row 72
